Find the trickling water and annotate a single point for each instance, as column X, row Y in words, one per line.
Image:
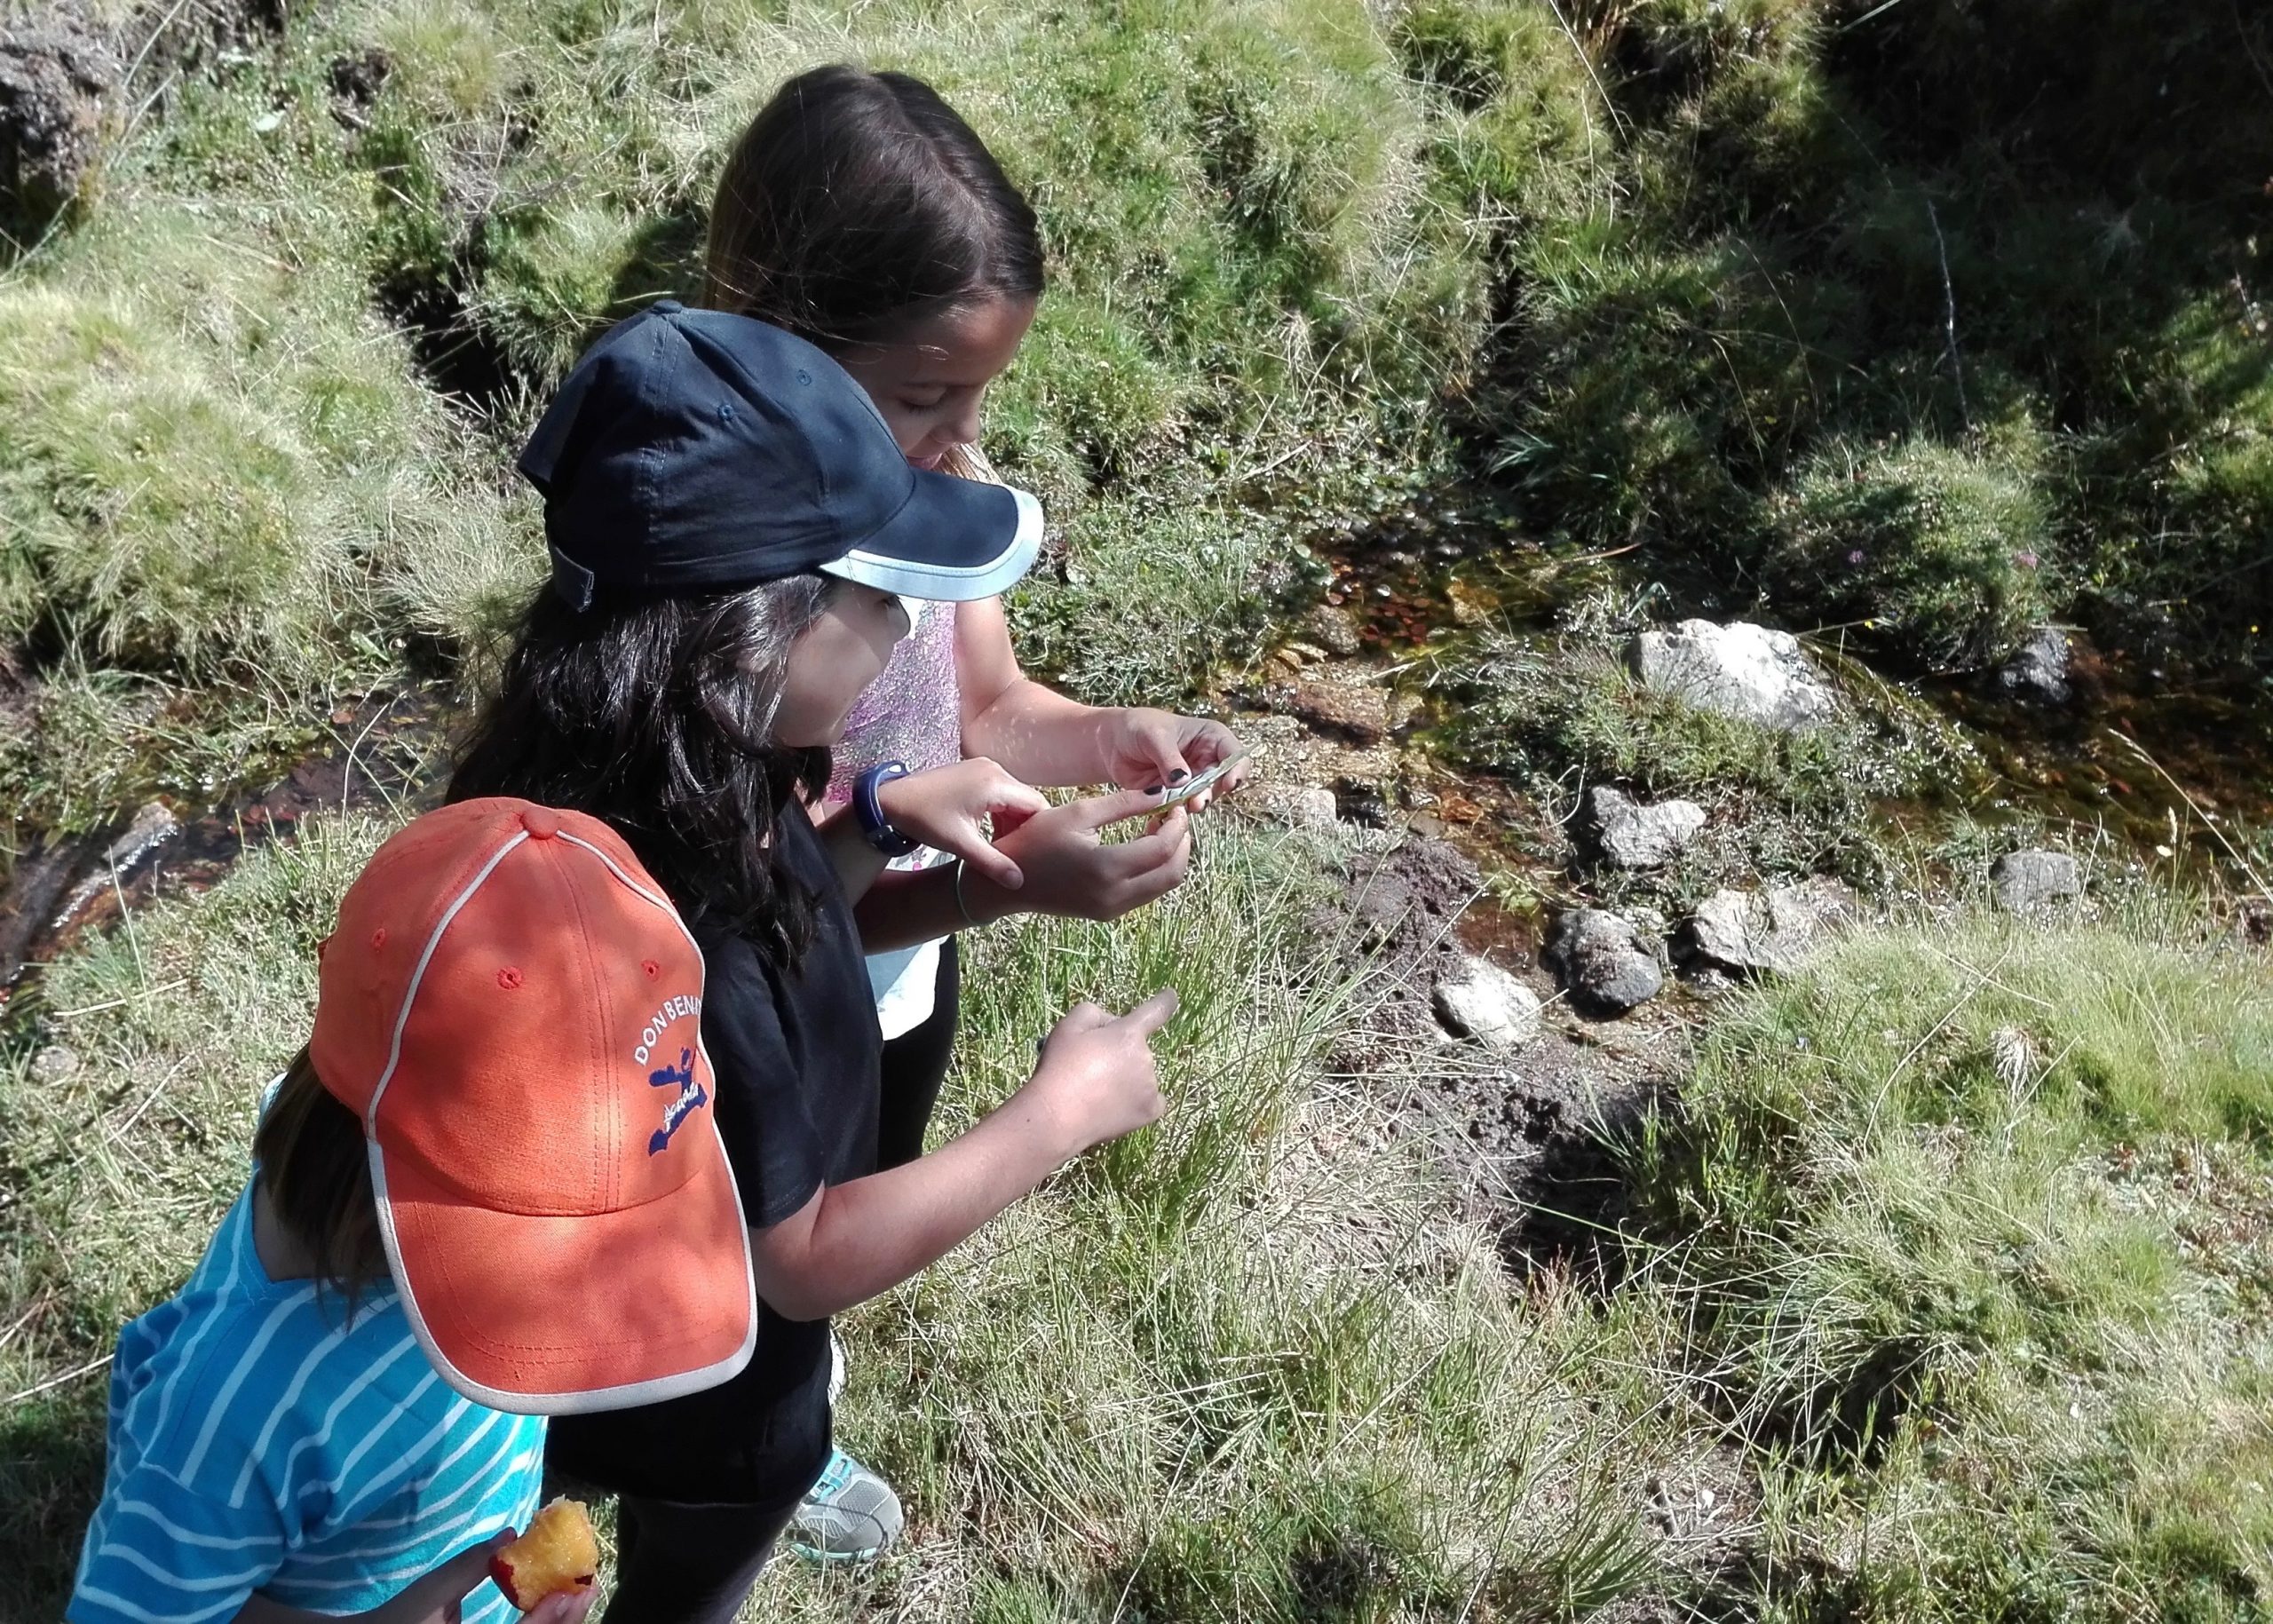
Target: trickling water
column 2165, row 764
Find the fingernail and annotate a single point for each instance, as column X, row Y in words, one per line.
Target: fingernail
column 1178, row 776
column 1156, row 790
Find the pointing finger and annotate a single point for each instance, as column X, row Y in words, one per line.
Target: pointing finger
column 1149, row 1016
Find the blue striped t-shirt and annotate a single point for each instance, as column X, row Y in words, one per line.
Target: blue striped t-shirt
column 259, row 1440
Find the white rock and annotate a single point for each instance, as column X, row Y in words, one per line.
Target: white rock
column 1603, row 961
column 2031, row 882
column 1296, row 806
column 1479, row 1000
column 1637, row 836
column 1740, row 670
column 55, row 1063
column 1772, row 931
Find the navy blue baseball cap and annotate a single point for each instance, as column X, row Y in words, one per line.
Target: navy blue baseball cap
column 696, row 451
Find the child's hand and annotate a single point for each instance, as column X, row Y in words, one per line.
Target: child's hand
column 948, row 807
column 1096, row 1080
column 1070, row 871
column 1156, row 750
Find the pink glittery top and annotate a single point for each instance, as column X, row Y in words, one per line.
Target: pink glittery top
column 913, row 712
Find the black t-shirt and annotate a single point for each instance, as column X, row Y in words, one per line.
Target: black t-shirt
column 795, row 1054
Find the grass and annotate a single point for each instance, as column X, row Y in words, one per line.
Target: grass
column 1674, row 272
column 1974, row 1231
column 1910, row 329
column 1250, row 1364
column 1949, row 1262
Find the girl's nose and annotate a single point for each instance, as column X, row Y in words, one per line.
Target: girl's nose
column 964, row 429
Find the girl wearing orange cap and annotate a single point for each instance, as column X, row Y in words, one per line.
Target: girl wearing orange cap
column 342, row 1413
column 733, row 533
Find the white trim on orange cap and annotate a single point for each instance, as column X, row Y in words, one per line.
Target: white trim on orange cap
column 418, row 974
column 582, row 1401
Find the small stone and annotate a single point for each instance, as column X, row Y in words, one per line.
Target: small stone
column 2039, row 673
column 1772, row 931
column 1706, row 1500
column 1603, row 961
column 1738, row 670
column 151, row 826
column 55, row 1063
column 2030, row 882
column 1332, row 630
column 1478, row 1000
column 1294, row 806
column 1634, row 836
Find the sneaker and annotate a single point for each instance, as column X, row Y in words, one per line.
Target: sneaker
column 850, row 1516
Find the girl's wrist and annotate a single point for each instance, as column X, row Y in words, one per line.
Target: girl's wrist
column 978, row 900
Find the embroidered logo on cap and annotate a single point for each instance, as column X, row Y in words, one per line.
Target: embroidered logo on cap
column 691, row 1095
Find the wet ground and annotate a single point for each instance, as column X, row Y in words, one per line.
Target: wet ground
column 386, row 749
column 2144, row 752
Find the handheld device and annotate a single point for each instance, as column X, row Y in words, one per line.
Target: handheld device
column 1191, row 786
column 1199, row 781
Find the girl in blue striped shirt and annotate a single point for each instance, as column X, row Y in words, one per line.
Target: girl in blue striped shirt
column 471, row 1207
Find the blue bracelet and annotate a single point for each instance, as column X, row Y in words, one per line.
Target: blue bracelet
column 875, row 828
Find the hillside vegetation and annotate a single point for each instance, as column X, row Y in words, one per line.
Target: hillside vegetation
column 1931, row 1284
column 1928, row 322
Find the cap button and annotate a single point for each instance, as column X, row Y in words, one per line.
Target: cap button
column 542, row 822
column 667, row 307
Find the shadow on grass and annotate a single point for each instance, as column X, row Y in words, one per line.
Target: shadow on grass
column 51, row 1476
column 665, row 262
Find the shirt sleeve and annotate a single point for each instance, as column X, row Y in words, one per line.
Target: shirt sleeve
column 764, row 1116
column 159, row 1553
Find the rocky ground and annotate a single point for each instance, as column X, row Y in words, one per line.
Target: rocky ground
column 1521, row 1042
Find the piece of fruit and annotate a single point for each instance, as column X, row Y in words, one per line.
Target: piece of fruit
column 558, row 1553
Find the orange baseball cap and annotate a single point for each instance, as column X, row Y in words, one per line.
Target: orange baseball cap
column 514, row 1010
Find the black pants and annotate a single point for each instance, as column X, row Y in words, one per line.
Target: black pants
column 680, row 1564
column 914, row 1066
column 686, row 1564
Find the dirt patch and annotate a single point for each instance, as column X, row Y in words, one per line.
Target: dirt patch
column 1528, row 1134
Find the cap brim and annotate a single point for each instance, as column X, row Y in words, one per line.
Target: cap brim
column 563, row 1316
column 954, row 540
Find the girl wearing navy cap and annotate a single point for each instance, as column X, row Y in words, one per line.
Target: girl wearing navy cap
column 734, row 530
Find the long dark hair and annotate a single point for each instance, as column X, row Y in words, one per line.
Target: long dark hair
column 318, row 1179
column 859, row 202
column 656, row 715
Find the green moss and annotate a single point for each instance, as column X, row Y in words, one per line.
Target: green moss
column 1939, row 554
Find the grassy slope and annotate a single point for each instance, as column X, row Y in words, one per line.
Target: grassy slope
column 1251, row 1369
column 235, row 500
column 1952, row 1263
column 1677, row 266
column 1975, row 1229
